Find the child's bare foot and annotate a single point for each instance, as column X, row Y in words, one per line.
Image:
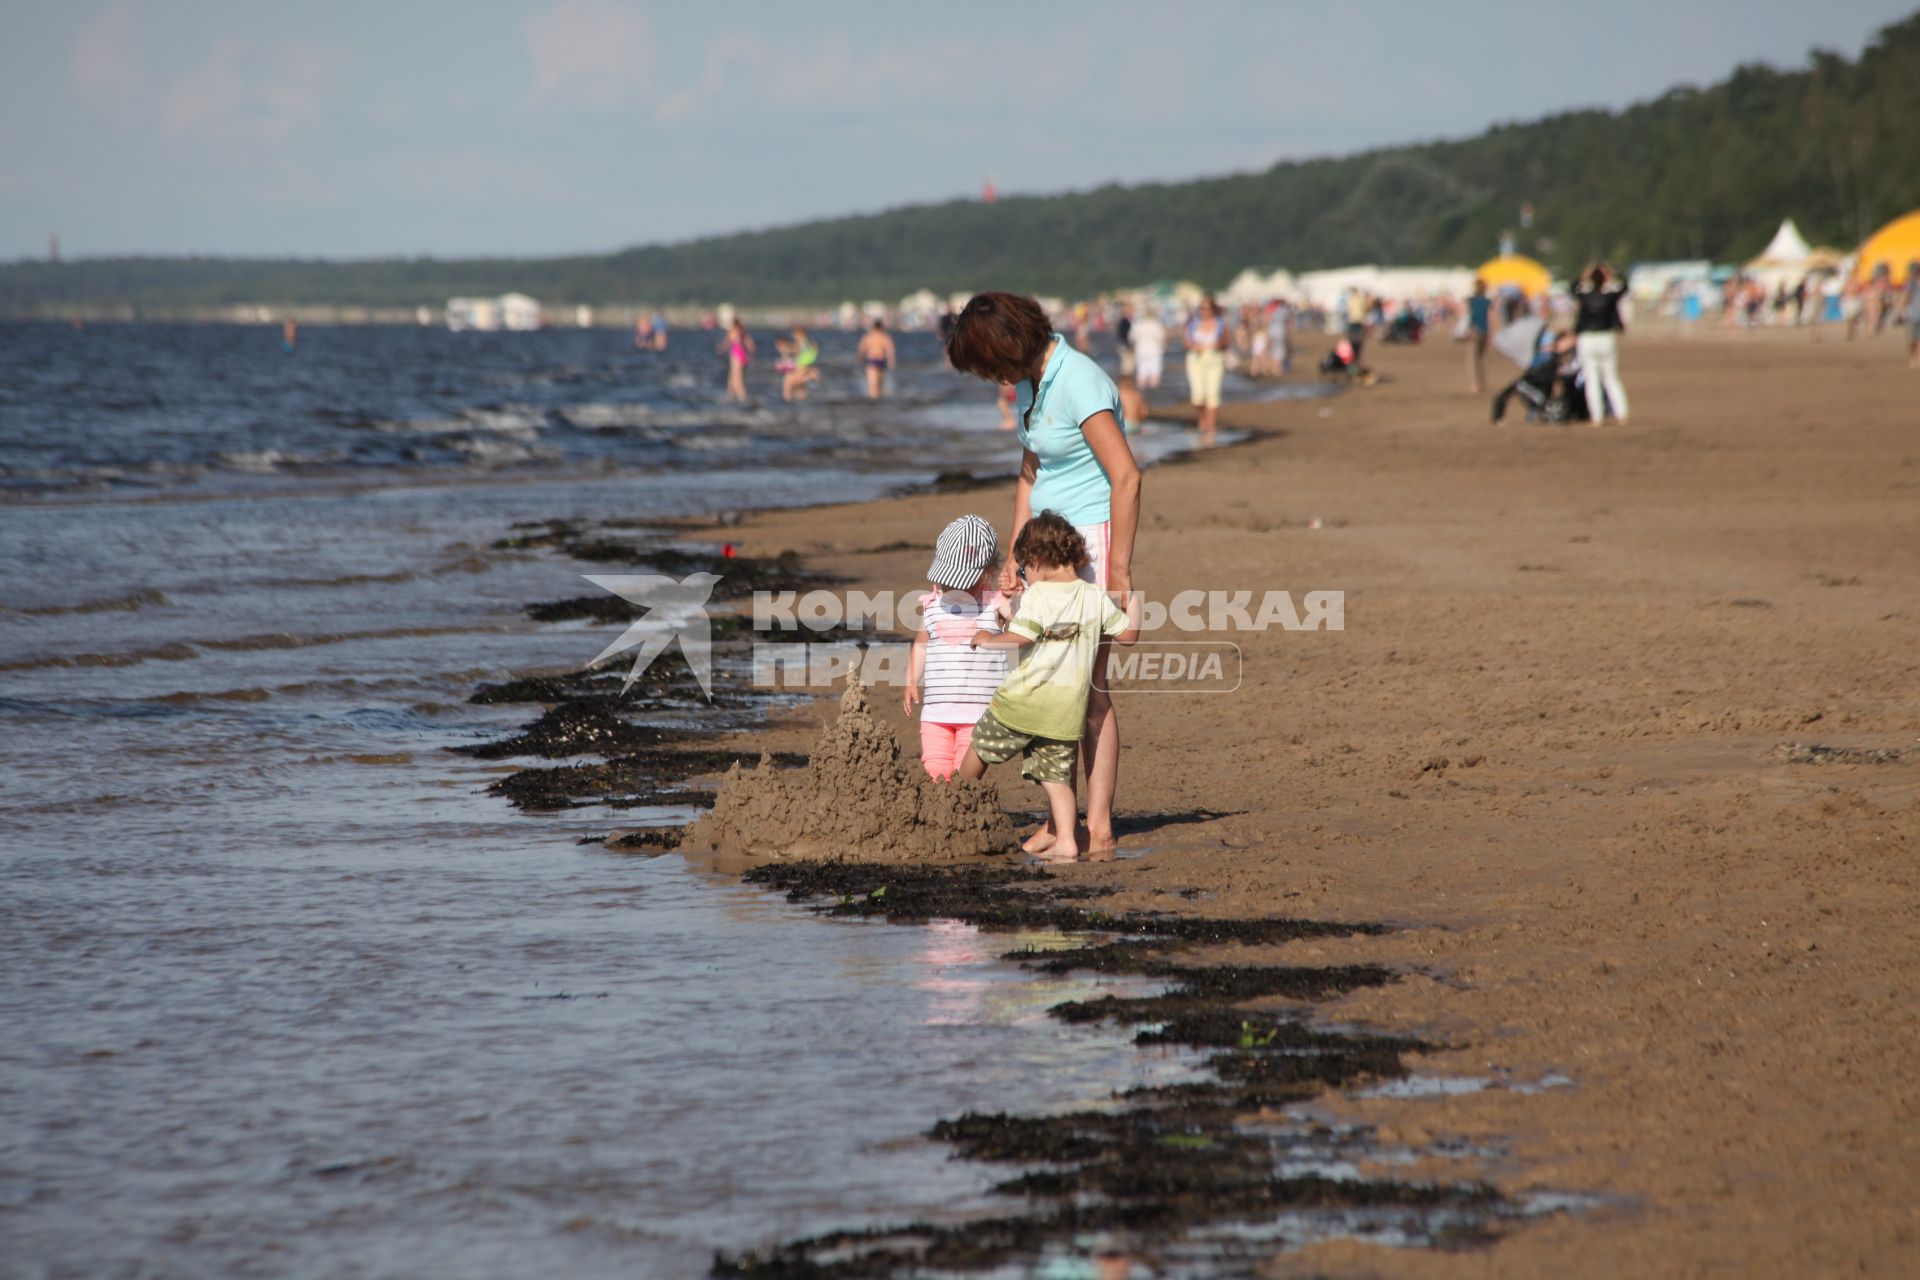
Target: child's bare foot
column 1041, row 841
column 1063, row 851
column 1098, row 843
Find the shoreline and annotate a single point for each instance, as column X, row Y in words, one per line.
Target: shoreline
column 1158, row 1170
column 1595, row 828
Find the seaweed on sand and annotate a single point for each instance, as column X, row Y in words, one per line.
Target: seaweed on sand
column 1170, row 1161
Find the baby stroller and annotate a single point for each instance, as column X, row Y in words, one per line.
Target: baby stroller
column 1551, row 383
column 1550, row 380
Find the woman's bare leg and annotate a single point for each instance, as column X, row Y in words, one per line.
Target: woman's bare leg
column 1101, row 750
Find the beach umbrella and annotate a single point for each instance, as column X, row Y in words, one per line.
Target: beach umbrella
column 1518, row 340
column 1515, row 269
column 1892, row 246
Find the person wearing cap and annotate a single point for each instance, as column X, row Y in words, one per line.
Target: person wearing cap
column 960, row 680
column 1075, row 461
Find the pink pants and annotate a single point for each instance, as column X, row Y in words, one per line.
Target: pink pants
column 944, row 746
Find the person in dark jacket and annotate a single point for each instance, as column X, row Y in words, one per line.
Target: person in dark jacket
column 1597, row 326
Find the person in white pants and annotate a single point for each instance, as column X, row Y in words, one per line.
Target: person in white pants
column 1597, row 326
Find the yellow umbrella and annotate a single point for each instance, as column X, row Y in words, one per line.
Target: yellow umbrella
column 1517, row 270
column 1892, row 246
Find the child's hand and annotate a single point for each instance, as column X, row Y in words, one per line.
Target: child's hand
column 907, row 699
column 983, row 636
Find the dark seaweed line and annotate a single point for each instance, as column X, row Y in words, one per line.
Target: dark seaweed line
column 587, row 711
column 1176, row 1157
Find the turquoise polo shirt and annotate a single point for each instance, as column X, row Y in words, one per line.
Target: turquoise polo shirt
column 1070, row 480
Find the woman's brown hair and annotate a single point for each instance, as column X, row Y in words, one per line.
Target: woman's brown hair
column 999, row 337
column 1050, row 542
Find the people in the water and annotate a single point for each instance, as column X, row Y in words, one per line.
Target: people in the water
column 798, row 364
column 739, row 349
column 877, row 357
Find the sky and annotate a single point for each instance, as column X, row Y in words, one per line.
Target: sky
column 344, row 128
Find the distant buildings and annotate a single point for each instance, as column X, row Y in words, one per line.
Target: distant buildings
column 514, row 311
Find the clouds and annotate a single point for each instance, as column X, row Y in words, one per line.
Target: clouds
column 106, row 64
column 823, row 71
column 243, row 93
column 596, row 52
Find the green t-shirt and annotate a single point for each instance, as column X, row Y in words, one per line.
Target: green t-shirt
column 1046, row 693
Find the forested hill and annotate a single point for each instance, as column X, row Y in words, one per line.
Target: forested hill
column 1696, row 173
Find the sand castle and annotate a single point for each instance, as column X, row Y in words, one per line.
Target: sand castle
column 856, row 800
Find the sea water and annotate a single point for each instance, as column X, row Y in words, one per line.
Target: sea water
column 283, row 992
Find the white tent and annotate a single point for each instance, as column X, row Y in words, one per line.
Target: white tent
column 1788, row 259
column 1326, row 288
column 1788, row 249
column 1250, row 286
column 518, row 311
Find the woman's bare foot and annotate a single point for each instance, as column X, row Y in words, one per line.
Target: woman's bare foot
column 1041, row 840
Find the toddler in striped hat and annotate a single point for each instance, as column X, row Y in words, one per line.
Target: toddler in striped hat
column 960, row 679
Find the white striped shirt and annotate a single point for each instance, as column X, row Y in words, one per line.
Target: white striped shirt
column 960, row 680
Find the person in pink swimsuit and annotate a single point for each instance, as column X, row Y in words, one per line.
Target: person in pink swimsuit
column 739, row 355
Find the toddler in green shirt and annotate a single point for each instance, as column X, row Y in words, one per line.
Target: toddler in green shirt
column 1040, row 710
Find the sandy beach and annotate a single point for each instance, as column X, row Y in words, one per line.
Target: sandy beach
column 1562, row 743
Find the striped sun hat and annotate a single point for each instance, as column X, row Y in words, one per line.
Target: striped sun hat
column 965, row 549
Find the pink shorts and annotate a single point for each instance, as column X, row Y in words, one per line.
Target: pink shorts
column 943, row 746
column 1099, row 548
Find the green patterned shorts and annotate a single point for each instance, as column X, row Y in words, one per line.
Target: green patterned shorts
column 1044, row 759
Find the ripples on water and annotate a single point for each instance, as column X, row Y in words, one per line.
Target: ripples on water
column 285, row 993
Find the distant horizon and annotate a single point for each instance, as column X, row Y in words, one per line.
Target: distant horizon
column 579, row 128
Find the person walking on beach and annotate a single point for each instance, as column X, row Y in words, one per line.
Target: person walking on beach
column 1479, row 328
column 1597, row 325
column 877, row 356
column 1910, row 312
column 1149, row 338
column 960, row 676
column 1280, row 338
column 1062, row 629
column 1207, row 340
column 739, row 348
column 1075, row 461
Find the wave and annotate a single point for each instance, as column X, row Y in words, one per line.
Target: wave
column 175, row 652
column 270, row 461
column 289, row 640
column 186, row 651
column 129, row 603
column 194, row 697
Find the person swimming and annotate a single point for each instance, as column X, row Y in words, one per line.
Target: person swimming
column 877, row 353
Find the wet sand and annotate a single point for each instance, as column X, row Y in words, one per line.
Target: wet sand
column 1549, row 744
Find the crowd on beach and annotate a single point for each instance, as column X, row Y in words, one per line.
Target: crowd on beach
column 1568, row 360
